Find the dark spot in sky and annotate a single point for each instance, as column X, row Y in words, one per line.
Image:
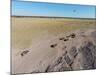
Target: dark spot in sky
column 74, row 10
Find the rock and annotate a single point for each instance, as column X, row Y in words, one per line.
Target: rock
column 88, row 56
column 68, row 60
column 73, row 52
column 65, row 63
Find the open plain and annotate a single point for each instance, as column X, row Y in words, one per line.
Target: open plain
column 52, row 44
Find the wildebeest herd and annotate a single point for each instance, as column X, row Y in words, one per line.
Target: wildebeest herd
column 53, row 45
column 73, row 35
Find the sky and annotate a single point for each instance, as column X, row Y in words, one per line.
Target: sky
column 24, row 8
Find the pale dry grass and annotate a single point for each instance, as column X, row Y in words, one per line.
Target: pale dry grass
column 27, row 30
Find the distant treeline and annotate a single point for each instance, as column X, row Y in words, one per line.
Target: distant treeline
column 52, row 17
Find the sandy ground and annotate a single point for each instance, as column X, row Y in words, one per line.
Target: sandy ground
column 41, row 55
column 43, row 45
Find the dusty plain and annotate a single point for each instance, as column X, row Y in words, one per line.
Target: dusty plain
column 45, row 44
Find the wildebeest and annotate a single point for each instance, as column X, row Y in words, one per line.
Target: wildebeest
column 72, row 35
column 61, row 38
column 65, row 39
column 54, row 45
column 24, row 52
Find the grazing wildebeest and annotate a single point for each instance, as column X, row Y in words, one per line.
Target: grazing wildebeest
column 54, row 45
column 72, row 35
column 65, row 39
column 61, row 38
column 24, row 52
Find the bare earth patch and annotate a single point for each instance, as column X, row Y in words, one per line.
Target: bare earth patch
column 77, row 53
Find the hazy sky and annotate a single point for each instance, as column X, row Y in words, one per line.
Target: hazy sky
column 23, row 8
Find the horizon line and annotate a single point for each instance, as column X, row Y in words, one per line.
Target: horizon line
column 51, row 17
